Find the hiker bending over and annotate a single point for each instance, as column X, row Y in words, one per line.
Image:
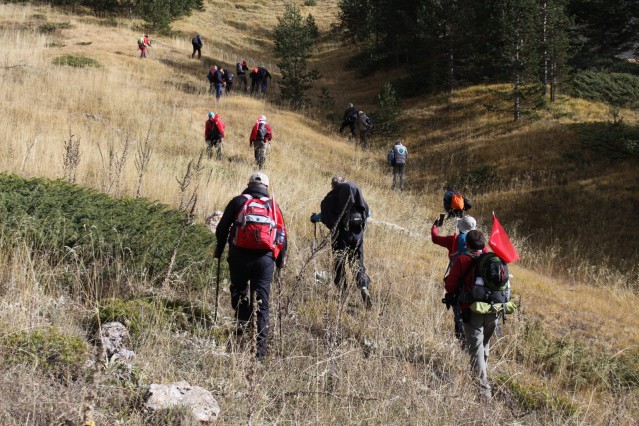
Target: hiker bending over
column 213, row 135
column 254, row 227
column 455, row 204
column 197, row 43
column 344, row 211
column 397, row 159
column 349, row 119
column 478, row 328
column 261, row 136
column 240, row 70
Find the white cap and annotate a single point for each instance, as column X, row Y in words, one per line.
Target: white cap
column 260, row 178
column 262, row 119
column 466, row 224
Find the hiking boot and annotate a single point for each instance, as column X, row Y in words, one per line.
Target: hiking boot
column 366, row 298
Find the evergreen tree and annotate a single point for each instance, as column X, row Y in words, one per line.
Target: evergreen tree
column 388, row 111
column 159, row 14
column 557, row 44
column 294, row 43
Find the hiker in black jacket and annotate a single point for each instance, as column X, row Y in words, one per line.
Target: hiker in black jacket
column 344, row 211
column 251, row 265
column 349, row 119
column 197, row 43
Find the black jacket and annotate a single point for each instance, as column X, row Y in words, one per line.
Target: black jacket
column 225, row 227
column 350, row 114
column 343, row 199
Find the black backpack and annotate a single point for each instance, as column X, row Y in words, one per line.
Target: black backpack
column 261, row 133
column 239, row 69
column 493, row 271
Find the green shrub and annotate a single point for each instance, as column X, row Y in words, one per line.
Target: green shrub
column 310, row 2
column 76, row 61
column 531, row 397
column 621, row 89
column 63, row 356
column 74, row 225
column 51, row 27
column 615, row 140
column 84, row 43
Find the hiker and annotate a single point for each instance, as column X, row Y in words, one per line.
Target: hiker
column 228, row 81
column 240, row 69
column 397, row 159
column 455, row 204
column 265, row 76
column 349, row 119
column 256, row 79
column 344, row 211
column 364, row 124
column 197, row 43
column 213, row 135
column 260, row 138
column 254, row 227
column 456, row 246
column 478, row 328
column 217, row 81
column 143, row 44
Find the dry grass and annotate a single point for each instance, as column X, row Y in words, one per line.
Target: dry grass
column 395, row 364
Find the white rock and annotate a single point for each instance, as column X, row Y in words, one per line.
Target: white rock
column 204, row 408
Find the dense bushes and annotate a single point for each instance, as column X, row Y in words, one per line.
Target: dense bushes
column 73, row 224
column 620, row 89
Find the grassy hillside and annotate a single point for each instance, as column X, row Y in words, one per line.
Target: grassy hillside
column 568, row 356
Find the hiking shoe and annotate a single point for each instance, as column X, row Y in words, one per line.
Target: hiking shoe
column 366, row 298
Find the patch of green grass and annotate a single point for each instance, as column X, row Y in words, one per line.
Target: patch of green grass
column 76, row 61
column 532, row 397
column 84, row 43
column 61, row 355
column 56, row 43
column 39, row 17
column 51, row 27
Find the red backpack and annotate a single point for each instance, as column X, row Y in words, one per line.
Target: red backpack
column 255, row 225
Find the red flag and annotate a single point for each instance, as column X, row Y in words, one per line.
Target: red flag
column 500, row 243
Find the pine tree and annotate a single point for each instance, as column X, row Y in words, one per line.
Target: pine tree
column 294, row 43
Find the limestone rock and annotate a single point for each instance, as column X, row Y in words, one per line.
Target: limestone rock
column 115, row 337
column 203, row 407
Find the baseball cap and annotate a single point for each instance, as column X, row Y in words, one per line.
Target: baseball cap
column 260, row 178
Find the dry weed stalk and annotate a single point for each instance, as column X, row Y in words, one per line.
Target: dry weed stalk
column 113, row 165
column 142, row 159
column 27, row 153
column 71, row 158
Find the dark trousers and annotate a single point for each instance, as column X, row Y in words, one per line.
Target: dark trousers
column 243, row 82
column 252, row 272
column 352, row 255
column 255, row 85
column 197, row 48
column 398, row 176
column 348, row 123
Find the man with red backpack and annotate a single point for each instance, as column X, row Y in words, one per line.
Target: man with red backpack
column 254, row 227
column 478, row 327
column 213, row 135
column 260, row 138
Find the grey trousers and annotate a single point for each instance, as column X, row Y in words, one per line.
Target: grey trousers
column 478, row 330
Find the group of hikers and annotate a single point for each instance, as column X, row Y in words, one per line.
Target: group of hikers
column 259, row 140
column 358, row 122
column 476, row 281
column 220, row 78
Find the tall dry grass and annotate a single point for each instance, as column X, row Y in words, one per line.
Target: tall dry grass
column 395, row 364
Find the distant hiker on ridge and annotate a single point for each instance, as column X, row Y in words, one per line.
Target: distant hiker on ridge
column 344, row 211
column 254, row 227
column 396, row 158
column 349, row 119
column 197, row 43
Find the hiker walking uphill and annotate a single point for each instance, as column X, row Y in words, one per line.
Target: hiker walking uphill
column 228, row 81
column 265, row 77
column 197, row 43
column 213, row 135
column 260, row 139
column 240, row 69
column 364, row 124
column 456, row 246
column 467, row 277
column 349, row 119
column 397, row 157
column 143, row 44
column 256, row 79
column 254, row 227
column 344, row 211
column 216, row 78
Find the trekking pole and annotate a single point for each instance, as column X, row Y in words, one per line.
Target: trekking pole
column 217, row 291
column 314, row 254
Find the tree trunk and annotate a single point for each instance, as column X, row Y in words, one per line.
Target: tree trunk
column 553, row 82
column 544, row 41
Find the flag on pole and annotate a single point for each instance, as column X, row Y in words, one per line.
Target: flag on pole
column 500, row 243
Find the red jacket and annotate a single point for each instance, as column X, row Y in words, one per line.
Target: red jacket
column 461, row 271
column 208, row 127
column 267, row 138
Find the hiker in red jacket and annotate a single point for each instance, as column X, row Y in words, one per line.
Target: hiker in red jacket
column 213, row 134
column 261, row 136
column 478, row 328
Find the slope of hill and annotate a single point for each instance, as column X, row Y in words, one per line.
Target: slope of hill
column 568, row 356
